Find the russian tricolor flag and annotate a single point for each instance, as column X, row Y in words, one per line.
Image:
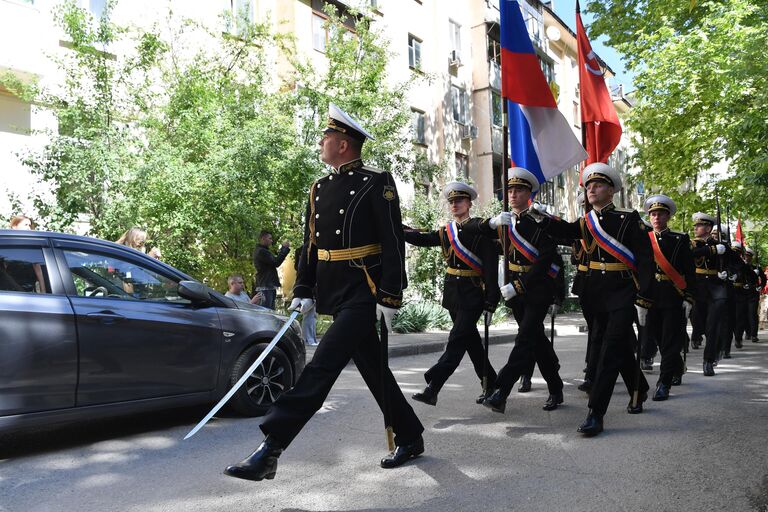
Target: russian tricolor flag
column 540, row 137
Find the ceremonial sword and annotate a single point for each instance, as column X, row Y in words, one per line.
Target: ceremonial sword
column 245, row 376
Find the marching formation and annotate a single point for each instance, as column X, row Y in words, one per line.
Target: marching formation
column 629, row 276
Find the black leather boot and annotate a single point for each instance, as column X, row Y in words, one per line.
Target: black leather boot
column 633, row 408
column 709, row 369
column 553, row 401
column 496, row 402
column 482, row 396
column 662, row 392
column 403, row 453
column 428, row 396
column 525, row 384
column 260, row 464
column 677, row 380
column 592, row 426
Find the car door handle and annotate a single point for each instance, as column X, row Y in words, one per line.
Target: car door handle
column 106, row 317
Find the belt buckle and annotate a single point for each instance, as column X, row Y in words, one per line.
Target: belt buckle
column 602, row 266
column 658, row 277
column 323, row 254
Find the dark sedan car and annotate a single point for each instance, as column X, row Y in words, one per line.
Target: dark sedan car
column 90, row 328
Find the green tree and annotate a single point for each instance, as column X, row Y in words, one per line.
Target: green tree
column 700, row 98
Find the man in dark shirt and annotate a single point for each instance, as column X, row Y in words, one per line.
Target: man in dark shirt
column 267, row 282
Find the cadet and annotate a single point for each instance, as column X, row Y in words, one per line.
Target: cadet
column 737, row 301
column 531, row 290
column 755, row 284
column 470, row 287
column 617, row 285
column 354, row 253
column 711, row 290
column 673, row 290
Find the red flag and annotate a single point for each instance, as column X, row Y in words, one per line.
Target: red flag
column 739, row 234
column 598, row 115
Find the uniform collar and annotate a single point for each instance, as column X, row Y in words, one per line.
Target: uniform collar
column 665, row 230
column 462, row 222
column 349, row 166
column 608, row 207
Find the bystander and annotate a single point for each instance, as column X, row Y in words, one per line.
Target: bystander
column 236, row 291
column 266, row 263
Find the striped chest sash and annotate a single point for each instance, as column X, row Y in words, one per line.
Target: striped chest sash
column 525, row 247
column 607, row 242
column 677, row 279
column 464, row 254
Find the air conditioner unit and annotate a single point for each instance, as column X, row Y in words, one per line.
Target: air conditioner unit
column 455, row 59
column 469, row 131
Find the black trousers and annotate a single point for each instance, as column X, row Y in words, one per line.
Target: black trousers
column 594, row 348
column 649, row 340
column 741, row 323
column 715, row 315
column 664, row 324
column 463, row 337
column 351, row 336
column 531, row 346
column 698, row 322
column 752, row 316
column 614, row 333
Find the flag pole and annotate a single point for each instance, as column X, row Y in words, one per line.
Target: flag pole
column 504, row 187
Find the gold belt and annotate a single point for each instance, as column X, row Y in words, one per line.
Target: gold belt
column 738, row 285
column 582, row 268
column 608, row 267
column 352, row 253
column 462, row 272
column 519, row 268
column 706, row 271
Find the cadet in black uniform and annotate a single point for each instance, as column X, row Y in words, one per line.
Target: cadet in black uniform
column 711, row 290
column 530, row 292
column 737, row 310
column 755, row 284
column 673, row 289
column 617, row 285
column 354, row 253
column 470, row 287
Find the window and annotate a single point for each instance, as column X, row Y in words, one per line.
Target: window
column 576, row 115
column 498, row 180
column 455, row 35
column 242, row 15
column 414, row 52
column 546, row 193
column 459, row 104
column 494, row 51
column 97, row 7
column 497, row 110
column 462, row 166
column 533, row 20
column 23, row 270
column 418, row 127
column 319, row 33
column 561, row 180
column 100, row 275
column 548, row 68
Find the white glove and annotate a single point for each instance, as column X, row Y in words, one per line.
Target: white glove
column 720, row 249
column 538, row 212
column 303, row 305
column 687, row 307
column 502, row 219
column 732, row 278
column 642, row 314
column 389, row 314
column 723, row 275
column 757, row 272
column 508, row 291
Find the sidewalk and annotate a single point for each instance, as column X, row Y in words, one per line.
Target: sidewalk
column 566, row 324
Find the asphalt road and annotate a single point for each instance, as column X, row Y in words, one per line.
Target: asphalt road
column 704, row 449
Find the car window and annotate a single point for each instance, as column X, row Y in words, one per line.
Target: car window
column 23, row 270
column 101, row 275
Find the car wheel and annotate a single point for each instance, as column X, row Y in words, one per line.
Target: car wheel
column 268, row 381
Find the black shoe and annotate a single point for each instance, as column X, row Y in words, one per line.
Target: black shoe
column 403, row 453
column 525, row 384
column 695, row 344
column 662, row 393
column 585, row 386
column 646, row 364
column 677, row 380
column 755, row 339
column 709, row 370
column 260, row 464
column 482, row 396
column 727, row 355
column 496, row 402
column 553, row 401
column 428, row 396
column 638, row 408
column 739, row 344
column 592, row 426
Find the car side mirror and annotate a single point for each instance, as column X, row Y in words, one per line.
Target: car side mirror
column 196, row 292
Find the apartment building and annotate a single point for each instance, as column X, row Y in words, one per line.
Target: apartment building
column 450, row 47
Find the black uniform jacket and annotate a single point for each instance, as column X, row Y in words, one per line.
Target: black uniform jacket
column 534, row 284
column 676, row 248
column 755, row 281
column 612, row 290
column 352, row 207
column 459, row 292
column 707, row 261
